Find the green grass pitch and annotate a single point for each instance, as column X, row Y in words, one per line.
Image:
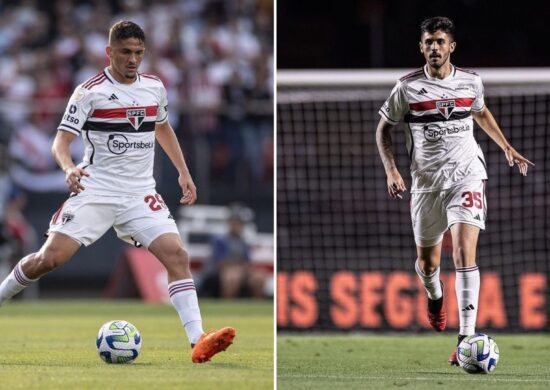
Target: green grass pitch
column 407, row 362
column 51, row 345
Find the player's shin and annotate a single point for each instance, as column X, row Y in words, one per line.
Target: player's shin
column 14, row 283
column 183, row 296
column 467, row 294
column 431, row 282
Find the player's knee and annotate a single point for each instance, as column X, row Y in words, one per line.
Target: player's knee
column 178, row 258
column 49, row 259
column 427, row 266
column 462, row 256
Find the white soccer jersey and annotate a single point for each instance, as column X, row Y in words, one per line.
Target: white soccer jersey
column 439, row 127
column 117, row 124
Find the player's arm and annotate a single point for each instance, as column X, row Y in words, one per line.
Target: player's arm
column 61, row 151
column 487, row 122
column 169, row 142
column 395, row 182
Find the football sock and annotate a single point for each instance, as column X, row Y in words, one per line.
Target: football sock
column 467, row 293
column 184, row 298
column 460, row 338
column 432, row 284
column 14, row 283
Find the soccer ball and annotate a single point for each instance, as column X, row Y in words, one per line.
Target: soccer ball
column 118, row 342
column 478, row 354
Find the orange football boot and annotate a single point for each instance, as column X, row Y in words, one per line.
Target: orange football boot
column 211, row 343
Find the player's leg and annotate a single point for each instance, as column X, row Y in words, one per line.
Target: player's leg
column 151, row 225
column 427, row 268
column 169, row 249
column 80, row 220
column 429, row 224
column 466, row 212
column 55, row 252
column 467, row 280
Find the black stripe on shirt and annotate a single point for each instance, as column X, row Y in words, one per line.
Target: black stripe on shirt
column 69, row 127
column 118, row 127
column 162, row 120
column 93, row 147
column 108, row 78
column 387, row 117
column 411, row 118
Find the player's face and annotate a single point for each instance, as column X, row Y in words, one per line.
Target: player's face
column 436, row 48
column 126, row 56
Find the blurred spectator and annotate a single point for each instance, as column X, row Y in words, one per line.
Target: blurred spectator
column 230, row 273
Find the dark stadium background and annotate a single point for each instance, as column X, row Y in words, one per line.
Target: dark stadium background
column 384, row 34
column 48, row 47
column 345, row 251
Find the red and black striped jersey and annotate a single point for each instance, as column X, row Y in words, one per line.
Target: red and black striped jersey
column 439, row 127
column 117, row 123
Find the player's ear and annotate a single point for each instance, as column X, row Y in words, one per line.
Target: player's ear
column 420, row 46
column 453, row 46
column 108, row 51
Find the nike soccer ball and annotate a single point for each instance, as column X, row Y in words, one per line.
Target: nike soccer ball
column 478, row 354
column 118, row 342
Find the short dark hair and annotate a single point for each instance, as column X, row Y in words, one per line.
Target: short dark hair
column 438, row 23
column 124, row 30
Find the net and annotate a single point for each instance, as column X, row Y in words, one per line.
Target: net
column 345, row 250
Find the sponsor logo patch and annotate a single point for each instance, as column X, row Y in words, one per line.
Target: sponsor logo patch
column 433, row 132
column 119, row 144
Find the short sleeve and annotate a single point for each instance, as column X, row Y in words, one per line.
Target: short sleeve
column 77, row 111
column 162, row 112
column 479, row 102
column 394, row 108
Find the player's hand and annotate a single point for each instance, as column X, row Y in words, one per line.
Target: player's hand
column 514, row 157
column 188, row 189
column 72, row 178
column 396, row 185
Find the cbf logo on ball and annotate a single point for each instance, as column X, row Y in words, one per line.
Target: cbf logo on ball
column 445, row 107
column 135, row 116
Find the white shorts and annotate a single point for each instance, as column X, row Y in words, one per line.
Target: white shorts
column 138, row 220
column 432, row 213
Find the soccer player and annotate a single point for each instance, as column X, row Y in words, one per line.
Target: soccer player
column 119, row 113
column 437, row 103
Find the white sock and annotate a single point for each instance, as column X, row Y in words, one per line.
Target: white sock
column 184, row 298
column 467, row 293
column 431, row 282
column 14, row 283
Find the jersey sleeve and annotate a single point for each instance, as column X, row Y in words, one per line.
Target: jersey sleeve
column 479, row 102
column 77, row 111
column 394, row 108
column 162, row 112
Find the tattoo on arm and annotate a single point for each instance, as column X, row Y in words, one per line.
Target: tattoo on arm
column 385, row 145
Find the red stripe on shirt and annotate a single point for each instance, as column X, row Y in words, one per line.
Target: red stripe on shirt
column 431, row 104
column 120, row 113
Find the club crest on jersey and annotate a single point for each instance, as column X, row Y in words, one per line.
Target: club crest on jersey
column 66, row 216
column 135, row 116
column 445, row 107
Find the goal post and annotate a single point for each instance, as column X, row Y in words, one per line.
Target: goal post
column 346, row 252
